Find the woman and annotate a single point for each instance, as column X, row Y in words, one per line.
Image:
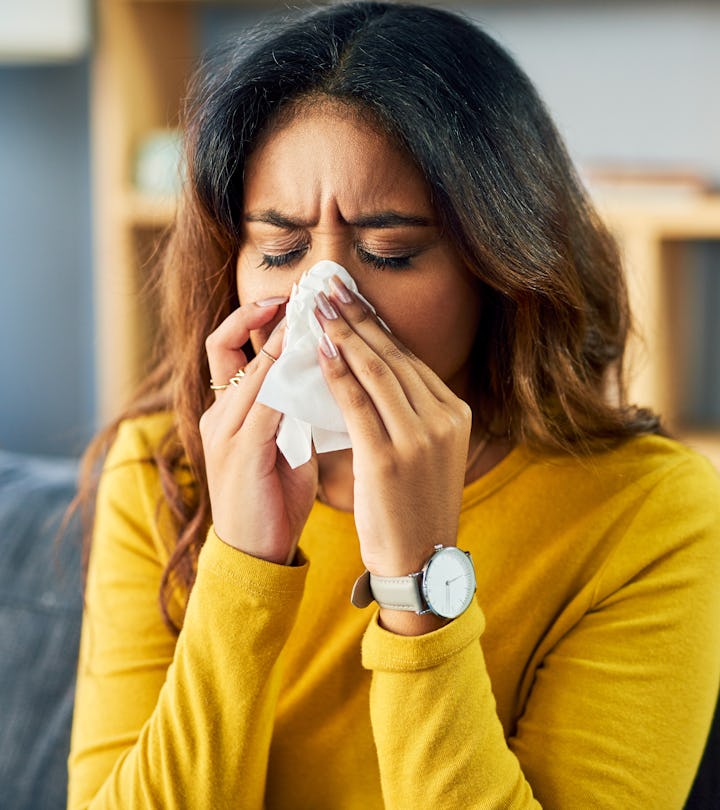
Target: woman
column 486, row 412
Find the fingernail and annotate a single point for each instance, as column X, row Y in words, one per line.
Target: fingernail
column 271, row 302
column 327, row 347
column 327, row 309
column 339, row 288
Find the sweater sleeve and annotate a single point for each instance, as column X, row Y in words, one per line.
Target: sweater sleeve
column 438, row 737
column 620, row 706
column 162, row 722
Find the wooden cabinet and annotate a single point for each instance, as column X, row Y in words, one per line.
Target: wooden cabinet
column 144, row 55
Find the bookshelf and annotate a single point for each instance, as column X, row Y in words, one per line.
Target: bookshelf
column 145, row 51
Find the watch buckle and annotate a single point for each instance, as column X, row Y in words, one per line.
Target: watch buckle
column 362, row 595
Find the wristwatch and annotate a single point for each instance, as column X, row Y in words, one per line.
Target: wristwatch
column 445, row 586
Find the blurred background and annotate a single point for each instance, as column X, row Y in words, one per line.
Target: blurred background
column 89, row 145
column 89, row 94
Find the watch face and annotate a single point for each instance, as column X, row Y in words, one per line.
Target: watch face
column 449, row 582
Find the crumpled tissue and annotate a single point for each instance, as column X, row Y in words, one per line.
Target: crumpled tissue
column 295, row 385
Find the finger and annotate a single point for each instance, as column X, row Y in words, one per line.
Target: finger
column 233, row 407
column 363, row 422
column 415, row 376
column 255, row 371
column 224, row 346
column 379, row 363
column 370, row 370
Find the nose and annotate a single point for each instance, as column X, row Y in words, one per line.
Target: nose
column 334, row 244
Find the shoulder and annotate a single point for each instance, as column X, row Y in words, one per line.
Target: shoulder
column 653, row 465
column 647, row 498
column 146, row 451
column 637, row 469
column 140, row 489
column 139, row 439
column 667, row 500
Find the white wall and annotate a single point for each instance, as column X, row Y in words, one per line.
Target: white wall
column 634, row 81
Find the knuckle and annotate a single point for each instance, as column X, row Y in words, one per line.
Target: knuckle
column 211, row 342
column 445, row 434
column 362, row 314
column 424, row 443
column 393, row 352
column 448, row 426
column 204, row 423
column 464, row 412
column 208, row 432
column 358, row 399
column 441, row 431
column 387, row 465
column 338, row 371
column 374, row 367
column 342, row 332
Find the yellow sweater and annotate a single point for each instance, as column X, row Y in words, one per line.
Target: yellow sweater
column 584, row 676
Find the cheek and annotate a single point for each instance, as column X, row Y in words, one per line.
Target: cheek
column 254, row 283
column 243, row 279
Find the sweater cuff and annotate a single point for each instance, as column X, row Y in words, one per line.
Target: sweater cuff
column 284, row 584
column 389, row 652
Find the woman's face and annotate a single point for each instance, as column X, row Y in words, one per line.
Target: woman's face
column 328, row 186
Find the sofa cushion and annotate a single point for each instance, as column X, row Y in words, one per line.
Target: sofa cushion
column 40, row 615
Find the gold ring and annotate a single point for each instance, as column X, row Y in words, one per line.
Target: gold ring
column 267, row 354
column 235, row 379
column 215, row 387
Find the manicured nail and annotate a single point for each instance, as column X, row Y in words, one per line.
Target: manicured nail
column 324, row 305
column 327, row 347
column 339, row 288
column 271, row 302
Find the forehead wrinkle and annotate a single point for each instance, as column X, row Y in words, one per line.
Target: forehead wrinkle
column 322, row 169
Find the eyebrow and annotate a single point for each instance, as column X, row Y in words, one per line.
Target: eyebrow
column 380, row 219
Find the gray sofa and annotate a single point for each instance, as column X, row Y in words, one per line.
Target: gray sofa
column 40, row 613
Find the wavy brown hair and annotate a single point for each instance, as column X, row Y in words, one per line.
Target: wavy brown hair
column 549, row 352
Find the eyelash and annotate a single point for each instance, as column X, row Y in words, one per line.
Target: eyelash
column 383, row 262
column 270, row 261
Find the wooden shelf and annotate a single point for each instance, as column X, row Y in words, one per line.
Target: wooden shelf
column 147, row 211
column 694, row 217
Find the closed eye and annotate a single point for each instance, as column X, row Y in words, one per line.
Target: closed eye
column 270, row 260
column 383, row 262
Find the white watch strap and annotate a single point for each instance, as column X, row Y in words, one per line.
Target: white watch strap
column 394, row 593
column 398, row 593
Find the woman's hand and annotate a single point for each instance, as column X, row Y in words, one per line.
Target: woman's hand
column 409, row 435
column 259, row 504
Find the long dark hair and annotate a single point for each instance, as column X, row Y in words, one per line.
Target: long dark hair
column 555, row 321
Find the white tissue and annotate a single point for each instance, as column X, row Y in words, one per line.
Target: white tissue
column 295, row 385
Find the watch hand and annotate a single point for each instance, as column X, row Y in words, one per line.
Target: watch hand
column 459, row 576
